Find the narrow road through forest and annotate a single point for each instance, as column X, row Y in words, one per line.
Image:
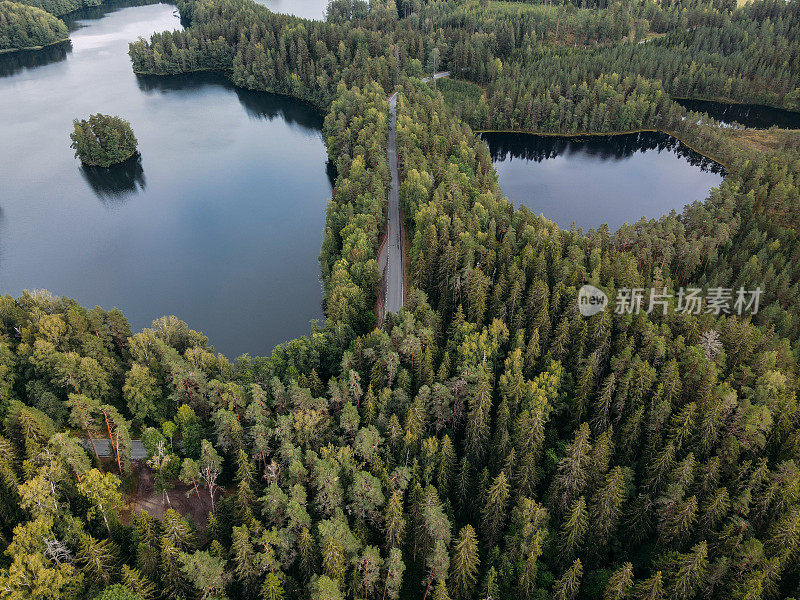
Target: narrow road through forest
column 395, row 265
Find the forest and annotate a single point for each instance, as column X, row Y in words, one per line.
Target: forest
column 102, row 140
column 32, row 24
column 28, row 27
column 488, row 442
column 60, row 7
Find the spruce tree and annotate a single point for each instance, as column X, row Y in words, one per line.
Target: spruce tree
column 465, row 562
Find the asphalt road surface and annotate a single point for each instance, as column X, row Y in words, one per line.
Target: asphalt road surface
column 395, row 267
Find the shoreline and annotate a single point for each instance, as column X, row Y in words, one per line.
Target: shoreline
column 322, row 110
column 735, row 102
column 33, row 48
column 608, row 133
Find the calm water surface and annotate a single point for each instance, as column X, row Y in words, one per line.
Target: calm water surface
column 749, row 115
column 220, row 222
column 605, row 179
column 307, row 9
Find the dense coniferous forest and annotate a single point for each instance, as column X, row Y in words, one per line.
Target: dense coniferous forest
column 61, row 7
column 31, row 24
column 28, row 27
column 489, row 441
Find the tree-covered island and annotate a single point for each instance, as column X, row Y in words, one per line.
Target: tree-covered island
column 103, row 140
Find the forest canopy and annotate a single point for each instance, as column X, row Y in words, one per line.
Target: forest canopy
column 103, row 140
column 489, row 441
column 27, row 27
column 61, row 7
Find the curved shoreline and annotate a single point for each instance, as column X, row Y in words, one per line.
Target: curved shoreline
column 608, row 133
column 222, row 72
column 736, row 102
column 33, row 48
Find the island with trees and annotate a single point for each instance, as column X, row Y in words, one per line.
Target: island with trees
column 25, row 27
column 488, row 442
column 103, row 140
column 34, row 24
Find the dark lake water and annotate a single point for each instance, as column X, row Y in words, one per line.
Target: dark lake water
column 600, row 179
column 219, row 222
column 749, row 115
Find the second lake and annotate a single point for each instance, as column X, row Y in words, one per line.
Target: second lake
column 598, row 180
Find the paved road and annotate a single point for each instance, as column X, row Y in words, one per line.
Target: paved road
column 395, row 267
column 104, row 448
column 394, row 227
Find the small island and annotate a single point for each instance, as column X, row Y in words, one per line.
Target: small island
column 28, row 28
column 103, row 140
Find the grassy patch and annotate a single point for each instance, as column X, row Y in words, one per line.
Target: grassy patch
column 766, row 140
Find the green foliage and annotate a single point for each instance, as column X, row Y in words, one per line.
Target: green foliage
column 488, row 441
column 206, row 572
column 62, row 7
column 102, row 141
column 24, row 26
column 118, row 592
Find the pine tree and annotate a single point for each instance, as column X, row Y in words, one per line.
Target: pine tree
column 395, row 522
column 244, row 557
column 568, row 585
column 494, row 510
column 463, row 487
column 573, row 530
column 206, row 572
column 369, row 566
column 490, row 588
column 272, row 589
column 480, row 406
column 688, row 572
column 446, row 465
column 606, row 507
column 440, row 593
column 138, row 583
column 620, row 584
column 394, row 574
column 572, row 470
column 465, row 562
column 333, row 559
column 98, row 559
column 245, row 480
column 651, row 588
column 307, row 548
column 173, row 582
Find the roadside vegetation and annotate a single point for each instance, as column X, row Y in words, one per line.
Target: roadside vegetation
column 488, row 441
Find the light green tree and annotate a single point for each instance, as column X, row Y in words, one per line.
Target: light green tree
column 207, row 573
column 465, row 562
column 325, row 588
column 118, row 592
column 102, row 490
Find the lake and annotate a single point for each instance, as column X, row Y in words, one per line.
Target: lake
column 307, row 9
column 220, row 222
column 749, row 115
column 594, row 180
